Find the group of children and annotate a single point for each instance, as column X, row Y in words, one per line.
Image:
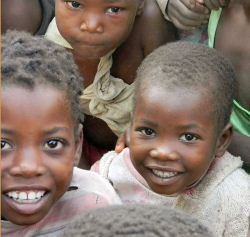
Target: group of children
column 174, row 111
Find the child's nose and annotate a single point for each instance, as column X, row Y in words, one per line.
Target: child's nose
column 165, row 153
column 91, row 23
column 27, row 164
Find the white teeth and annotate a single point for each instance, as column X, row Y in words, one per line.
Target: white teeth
column 164, row 174
column 31, row 195
column 23, row 196
column 39, row 194
column 26, row 197
column 14, row 195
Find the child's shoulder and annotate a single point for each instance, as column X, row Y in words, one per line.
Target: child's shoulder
column 224, row 175
column 152, row 23
column 228, row 181
column 103, row 165
column 86, row 181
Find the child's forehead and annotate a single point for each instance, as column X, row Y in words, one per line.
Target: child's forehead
column 38, row 104
column 35, row 94
column 156, row 95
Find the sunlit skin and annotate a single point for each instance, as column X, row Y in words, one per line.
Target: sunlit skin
column 172, row 132
column 95, row 27
column 38, row 147
column 232, row 39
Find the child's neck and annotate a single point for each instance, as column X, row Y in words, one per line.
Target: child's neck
column 87, row 68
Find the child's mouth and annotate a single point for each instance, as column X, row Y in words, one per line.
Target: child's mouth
column 27, row 202
column 26, row 196
column 164, row 174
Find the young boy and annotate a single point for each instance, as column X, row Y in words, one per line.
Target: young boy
column 25, row 15
column 40, row 140
column 96, row 30
column 178, row 139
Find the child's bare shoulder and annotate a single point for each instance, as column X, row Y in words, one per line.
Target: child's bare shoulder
column 150, row 31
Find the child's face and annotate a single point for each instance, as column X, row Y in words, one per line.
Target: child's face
column 173, row 139
column 38, row 147
column 95, row 27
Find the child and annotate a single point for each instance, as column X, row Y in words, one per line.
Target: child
column 237, row 17
column 40, row 139
column 178, row 139
column 92, row 30
column 25, row 15
column 137, row 221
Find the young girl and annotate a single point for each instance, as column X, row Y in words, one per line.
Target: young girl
column 178, row 139
column 96, row 30
column 41, row 139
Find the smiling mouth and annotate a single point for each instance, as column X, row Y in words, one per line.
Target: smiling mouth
column 26, row 196
column 164, row 174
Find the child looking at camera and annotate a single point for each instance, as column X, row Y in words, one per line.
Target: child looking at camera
column 108, row 39
column 178, row 139
column 41, row 139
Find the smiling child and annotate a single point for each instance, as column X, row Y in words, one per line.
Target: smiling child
column 179, row 135
column 41, row 139
column 96, row 32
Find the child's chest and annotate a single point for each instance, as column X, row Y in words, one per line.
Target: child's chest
column 233, row 40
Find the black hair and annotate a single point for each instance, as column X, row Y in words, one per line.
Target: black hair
column 30, row 61
column 192, row 66
column 137, row 221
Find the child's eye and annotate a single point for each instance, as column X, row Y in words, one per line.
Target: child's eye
column 5, row 146
column 148, row 132
column 113, row 10
column 73, row 4
column 188, row 137
column 54, row 144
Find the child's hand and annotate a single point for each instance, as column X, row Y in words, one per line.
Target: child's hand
column 122, row 142
column 216, row 4
column 187, row 14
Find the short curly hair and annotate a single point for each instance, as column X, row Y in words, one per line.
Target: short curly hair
column 192, row 66
column 138, row 221
column 30, row 61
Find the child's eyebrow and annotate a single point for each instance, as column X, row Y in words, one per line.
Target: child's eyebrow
column 148, row 123
column 7, row 131
column 115, row 1
column 57, row 129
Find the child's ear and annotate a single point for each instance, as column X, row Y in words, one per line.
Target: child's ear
column 79, row 143
column 224, row 140
column 140, row 7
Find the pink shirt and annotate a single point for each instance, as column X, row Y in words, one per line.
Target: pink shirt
column 221, row 200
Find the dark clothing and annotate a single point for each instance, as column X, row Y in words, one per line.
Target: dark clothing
column 48, row 13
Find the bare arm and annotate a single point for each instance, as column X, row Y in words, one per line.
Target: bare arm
column 155, row 30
